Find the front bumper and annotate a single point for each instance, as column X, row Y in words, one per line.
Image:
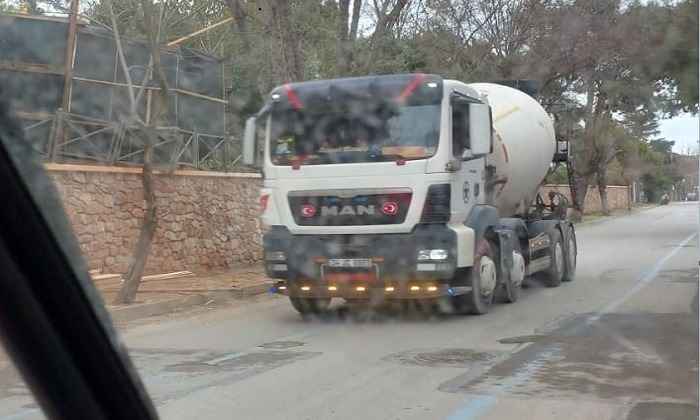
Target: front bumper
column 393, row 261
column 415, row 289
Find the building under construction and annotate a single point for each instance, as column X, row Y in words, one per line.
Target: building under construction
column 74, row 106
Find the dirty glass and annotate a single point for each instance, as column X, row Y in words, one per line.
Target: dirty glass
column 335, row 273
column 317, row 138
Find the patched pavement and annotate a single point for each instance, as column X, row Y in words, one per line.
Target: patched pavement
column 621, row 357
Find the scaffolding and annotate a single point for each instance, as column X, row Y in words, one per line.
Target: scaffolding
column 90, row 123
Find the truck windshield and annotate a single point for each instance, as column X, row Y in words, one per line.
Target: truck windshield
column 373, row 134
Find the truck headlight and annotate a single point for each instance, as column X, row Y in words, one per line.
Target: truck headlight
column 275, row 256
column 432, row 255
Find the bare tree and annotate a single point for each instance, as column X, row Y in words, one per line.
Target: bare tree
column 288, row 60
column 346, row 33
column 387, row 15
column 354, row 24
column 148, row 132
column 240, row 24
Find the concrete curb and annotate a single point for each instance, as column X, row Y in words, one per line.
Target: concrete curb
column 146, row 310
column 603, row 219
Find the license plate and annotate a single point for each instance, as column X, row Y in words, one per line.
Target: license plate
column 350, row 263
column 364, row 277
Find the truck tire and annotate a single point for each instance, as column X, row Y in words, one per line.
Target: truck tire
column 571, row 253
column 552, row 277
column 483, row 277
column 510, row 292
column 310, row 306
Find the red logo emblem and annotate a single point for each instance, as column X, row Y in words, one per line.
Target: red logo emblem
column 390, row 208
column 308, row 210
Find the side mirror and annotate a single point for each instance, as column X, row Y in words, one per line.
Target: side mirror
column 249, row 142
column 480, row 129
column 562, row 152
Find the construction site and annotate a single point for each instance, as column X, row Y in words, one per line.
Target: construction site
column 66, row 80
column 71, row 94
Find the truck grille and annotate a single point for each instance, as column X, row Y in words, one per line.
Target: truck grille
column 361, row 209
column 437, row 204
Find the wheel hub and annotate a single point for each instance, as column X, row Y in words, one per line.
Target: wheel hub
column 487, row 275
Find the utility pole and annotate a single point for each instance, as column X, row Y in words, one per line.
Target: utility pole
column 60, row 134
column 70, row 55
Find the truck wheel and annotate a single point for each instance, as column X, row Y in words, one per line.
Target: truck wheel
column 553, row 275
column 310, row 306
column 483, row 279
column 510, row 290
column 570, row 270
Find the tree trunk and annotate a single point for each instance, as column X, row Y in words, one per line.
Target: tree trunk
column 243, row 102
column 356, row 9
column 630, row 196
column 578, row 167
column 288, row 66
column 385, row 24
column 602, row 182
column 32, row 7
column 578, row 187
column 240, row 26
column 132, row 279
column 342, row 45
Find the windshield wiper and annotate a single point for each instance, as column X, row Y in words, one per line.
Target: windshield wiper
column 395, row 157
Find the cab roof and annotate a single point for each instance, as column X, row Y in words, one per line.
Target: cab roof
column 403, row 87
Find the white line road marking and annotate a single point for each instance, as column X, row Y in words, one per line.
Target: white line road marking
column 641, row 283
column 481, row 404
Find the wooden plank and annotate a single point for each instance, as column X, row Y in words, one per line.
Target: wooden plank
column 39, row 17
column 69, row 167
column 201, row 31
column 108, row 83
column 154, row 277
column 199, row 95
column 30, row 68
column 198, row 290
column 34, row 115
column 218, row 174
column 104, row 277
column 167, row 276
column 153, row 88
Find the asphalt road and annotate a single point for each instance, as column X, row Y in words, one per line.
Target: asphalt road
column 620, row 342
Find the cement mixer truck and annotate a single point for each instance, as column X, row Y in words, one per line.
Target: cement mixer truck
column 407, row 188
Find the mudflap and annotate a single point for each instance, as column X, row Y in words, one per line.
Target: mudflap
column 506, row 238
column 567, row 230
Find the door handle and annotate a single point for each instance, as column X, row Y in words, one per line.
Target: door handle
column 453, row 165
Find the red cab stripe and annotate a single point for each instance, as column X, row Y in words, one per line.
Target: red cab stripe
column 293, row 98
column 411, row 87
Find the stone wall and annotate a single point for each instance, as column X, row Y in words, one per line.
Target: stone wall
column 618, row 196
column 206, row 221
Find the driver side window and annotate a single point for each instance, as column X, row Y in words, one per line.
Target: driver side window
column 460, row 128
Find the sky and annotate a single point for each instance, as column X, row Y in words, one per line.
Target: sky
column 682, row 129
